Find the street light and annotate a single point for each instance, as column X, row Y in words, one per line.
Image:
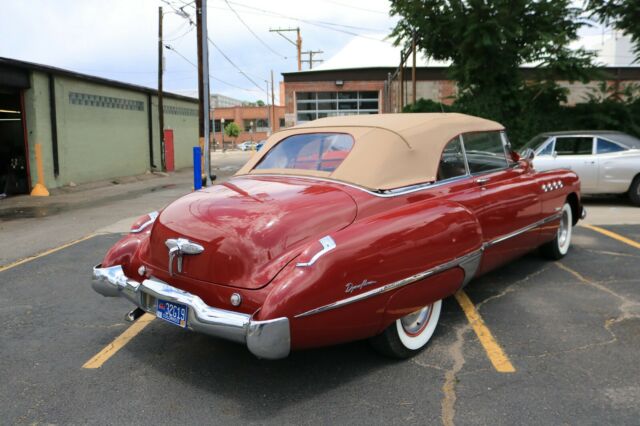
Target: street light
column 222, row 132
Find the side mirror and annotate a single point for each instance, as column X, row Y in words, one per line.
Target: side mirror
column 528, row 154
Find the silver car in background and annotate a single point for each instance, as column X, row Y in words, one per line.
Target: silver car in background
column 607, row 162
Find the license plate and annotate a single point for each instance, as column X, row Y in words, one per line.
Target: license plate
column 175, row 313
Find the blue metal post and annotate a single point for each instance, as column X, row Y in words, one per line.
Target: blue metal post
column 197, row 171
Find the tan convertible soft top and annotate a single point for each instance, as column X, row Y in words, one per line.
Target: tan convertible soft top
column 390, row 150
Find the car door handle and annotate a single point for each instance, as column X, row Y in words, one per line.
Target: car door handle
column 482, row 180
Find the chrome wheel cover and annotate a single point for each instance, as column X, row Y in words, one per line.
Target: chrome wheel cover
column 415, row 322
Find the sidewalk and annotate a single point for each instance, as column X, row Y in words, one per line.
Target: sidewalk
column 30, row 225
column 98, row 193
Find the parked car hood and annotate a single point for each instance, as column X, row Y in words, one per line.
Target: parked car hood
column 250, row 228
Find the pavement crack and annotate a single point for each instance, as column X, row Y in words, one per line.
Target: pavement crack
column 448, row 409
column 612, row 253
column 511, row 287
column 628, row 308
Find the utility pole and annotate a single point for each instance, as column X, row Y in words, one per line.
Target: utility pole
column 273, row 106
column 160, row 105
column 297, row 43
column 311, row 60
column 413, row 70
column 401, row 78
column 203, row 86
column 269, row 122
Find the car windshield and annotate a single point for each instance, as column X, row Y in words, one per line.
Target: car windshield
column 310, row 151
column 534, row 143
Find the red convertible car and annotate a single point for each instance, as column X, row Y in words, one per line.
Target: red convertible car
column 341, row 229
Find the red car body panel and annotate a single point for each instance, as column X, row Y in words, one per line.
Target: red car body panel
column 256, row 229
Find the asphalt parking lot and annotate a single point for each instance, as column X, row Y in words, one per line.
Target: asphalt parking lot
column 570, row 329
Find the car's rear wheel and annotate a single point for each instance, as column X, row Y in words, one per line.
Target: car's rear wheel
column 559, row 246
column 634, row 191
column 410, row 334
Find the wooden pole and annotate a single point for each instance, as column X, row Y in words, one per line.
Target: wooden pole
column 413, row 70
column 163, row 163
column 273, row 106
column 299, row 46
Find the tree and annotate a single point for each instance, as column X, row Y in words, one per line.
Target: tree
column 623, row 15
column 232, row 130
column 487, row 42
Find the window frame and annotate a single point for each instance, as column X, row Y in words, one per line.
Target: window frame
column 597, row 138
column 503, row 139
column 555, row 140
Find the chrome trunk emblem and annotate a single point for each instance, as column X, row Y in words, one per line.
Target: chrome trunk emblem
column 179, row 247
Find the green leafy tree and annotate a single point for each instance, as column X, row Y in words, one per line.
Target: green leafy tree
column 232, row 130
column 487, row 42
column 623, row 15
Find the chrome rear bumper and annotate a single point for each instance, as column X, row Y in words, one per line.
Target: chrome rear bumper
column 265, row 339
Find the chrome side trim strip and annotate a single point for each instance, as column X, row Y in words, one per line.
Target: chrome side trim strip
column 520, row 231
column 327, row 245
column 469, row 263
column 395, row 285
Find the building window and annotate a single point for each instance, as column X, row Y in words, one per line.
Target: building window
column 313, row 105
column 259, row 125
column 282, row 124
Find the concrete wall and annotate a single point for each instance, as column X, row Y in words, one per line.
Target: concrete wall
column 103, row 130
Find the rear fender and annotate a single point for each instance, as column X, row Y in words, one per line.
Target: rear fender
column 369, row 255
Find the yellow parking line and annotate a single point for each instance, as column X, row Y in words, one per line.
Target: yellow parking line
column 496, row 355
column 119, row 342
column 613, row 235
column 45, row 253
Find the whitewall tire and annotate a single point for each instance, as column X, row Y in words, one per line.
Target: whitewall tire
column 559, row 246
column 410, row 334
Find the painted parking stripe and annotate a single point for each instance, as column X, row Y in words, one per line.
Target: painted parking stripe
column 46, row 253
column 496, row 355
column 119, row 342
column 613, row 235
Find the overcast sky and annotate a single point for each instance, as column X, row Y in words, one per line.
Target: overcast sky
column 117, row 39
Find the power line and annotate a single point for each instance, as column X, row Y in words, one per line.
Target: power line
column 224, row 55
column 210, row 76
column 191, row 28
column 253, row 32
column 322, row 24
column 310, row 21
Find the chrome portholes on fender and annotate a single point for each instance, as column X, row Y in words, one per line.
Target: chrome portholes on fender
column 559, row 246
column 410, row 334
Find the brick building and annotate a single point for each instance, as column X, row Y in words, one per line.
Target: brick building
column 254, row 122
column 359, row 79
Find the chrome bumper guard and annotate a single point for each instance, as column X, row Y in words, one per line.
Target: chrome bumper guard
column 265, row 339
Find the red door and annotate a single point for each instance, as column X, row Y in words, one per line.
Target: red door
column 505, row 199
column 168, row 150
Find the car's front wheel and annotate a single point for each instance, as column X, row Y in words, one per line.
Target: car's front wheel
column 559, row 246
column 410, row 334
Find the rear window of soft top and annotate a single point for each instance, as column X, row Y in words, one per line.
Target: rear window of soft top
column 308, row 151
